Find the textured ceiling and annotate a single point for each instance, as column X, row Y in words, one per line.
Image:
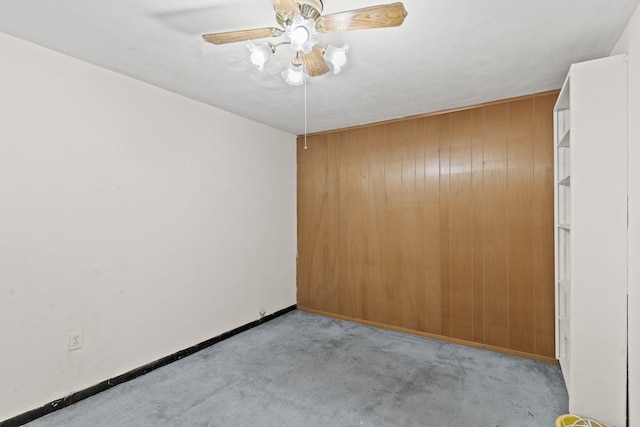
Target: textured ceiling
column 447, row 54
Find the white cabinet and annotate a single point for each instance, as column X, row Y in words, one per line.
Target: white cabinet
column 590, row 119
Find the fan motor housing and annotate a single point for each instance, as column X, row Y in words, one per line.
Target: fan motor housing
column 311, row 9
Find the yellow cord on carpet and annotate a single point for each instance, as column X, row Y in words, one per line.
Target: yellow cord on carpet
column 576, row 421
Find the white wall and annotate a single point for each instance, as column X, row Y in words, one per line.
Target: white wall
column 146, row 220
column 630, row 43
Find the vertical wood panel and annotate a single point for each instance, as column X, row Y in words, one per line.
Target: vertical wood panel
column 346, row 157
column 353, row 223
column 409, row 225
column 421, row 228
column 496, row 329
column 377, row 225
column 543, row 234
column 331, row 228
column 393, row 190
column 312, row 238
column 442, row 224
column 433, row 287
column 445, row 223
column 305, row 202
column 303, row 209
column 477, row 165
column 520, row 179
column 461, row 224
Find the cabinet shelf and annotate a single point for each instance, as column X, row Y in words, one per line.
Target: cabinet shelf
column 565, row 181
column 565, row 140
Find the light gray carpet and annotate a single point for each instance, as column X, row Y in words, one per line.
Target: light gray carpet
column 307, row 370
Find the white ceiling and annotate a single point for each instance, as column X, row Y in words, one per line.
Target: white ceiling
column 448, row 53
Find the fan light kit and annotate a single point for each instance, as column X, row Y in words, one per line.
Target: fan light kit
column 302, row 21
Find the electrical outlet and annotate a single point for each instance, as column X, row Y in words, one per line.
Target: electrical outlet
column 75, row 340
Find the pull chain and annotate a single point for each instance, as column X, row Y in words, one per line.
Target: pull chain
column 305, row 114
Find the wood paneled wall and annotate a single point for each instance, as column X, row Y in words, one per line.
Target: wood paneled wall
column 440, row 225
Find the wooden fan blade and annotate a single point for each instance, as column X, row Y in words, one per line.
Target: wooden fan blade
column 243, row 35
column 315, row 63
column 388, row 15
column 286, row 7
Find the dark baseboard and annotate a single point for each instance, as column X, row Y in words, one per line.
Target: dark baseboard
column 134, row 373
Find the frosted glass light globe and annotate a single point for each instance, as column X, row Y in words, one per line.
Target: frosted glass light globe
column 300, row 35
column 303, row 34
column 336, row 57
column 295, row 75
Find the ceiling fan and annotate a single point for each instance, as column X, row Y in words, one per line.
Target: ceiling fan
column 302, row 21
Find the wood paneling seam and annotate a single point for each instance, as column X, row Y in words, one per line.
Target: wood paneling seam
column 508, row 236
